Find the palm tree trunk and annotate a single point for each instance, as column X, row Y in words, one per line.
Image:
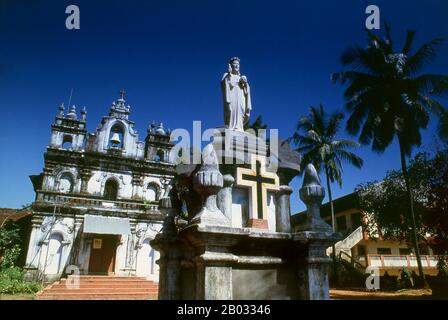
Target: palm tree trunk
column 330, row 198
column 411, row 208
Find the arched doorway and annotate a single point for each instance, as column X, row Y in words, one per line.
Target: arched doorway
column 146, row 261
column 54, row 255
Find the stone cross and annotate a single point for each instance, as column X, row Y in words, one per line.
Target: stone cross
column 259, row 181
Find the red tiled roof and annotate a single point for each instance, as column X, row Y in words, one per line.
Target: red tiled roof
column 13, row 214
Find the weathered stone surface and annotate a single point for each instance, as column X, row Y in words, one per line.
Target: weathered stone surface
column 283, row 214
column 312, row 193
column 207, row 182
column 224, row 196
column 314, row 263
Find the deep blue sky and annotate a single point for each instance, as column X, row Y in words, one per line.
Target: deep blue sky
column 170, row 56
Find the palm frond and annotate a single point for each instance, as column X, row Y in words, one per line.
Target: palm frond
column 410, row 35
column 344, row 143
column 431, row 84
column 350, row 158
column 424, row 54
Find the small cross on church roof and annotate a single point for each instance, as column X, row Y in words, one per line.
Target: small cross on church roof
column 122, row 93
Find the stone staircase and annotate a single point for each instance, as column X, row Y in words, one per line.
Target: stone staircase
column 101, row 288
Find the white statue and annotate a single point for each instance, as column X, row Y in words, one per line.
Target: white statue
column 236, row 95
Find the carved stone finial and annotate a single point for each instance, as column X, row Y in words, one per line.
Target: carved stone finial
column 312, row 193
column 207, row 182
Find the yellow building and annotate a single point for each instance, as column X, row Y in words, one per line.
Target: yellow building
column 364, row 251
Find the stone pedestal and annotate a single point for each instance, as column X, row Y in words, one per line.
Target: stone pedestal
column 211, row 267
column 313, row 265
column 221, row 263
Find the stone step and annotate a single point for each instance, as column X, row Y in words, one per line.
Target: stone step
column 86, row 296
column 102, row 288
column 107, row 285
column 99, row 290
column 106, row 278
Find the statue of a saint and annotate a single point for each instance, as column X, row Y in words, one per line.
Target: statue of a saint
column 236, row 95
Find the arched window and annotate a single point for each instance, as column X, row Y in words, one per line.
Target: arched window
column 111, row 190
column 116, row 136
column 151, row 192
column 67, row 142
column 159, row 156
column 65, row 183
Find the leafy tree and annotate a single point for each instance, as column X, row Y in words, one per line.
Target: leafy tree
column 9, row 244
column 388, row 98
column 382, row 202
column 435, row 218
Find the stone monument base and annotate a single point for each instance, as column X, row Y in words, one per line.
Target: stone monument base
column 220, row 263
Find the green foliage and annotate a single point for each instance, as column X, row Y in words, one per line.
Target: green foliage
column 12, row 277
column 12, row 282
column 442, row 266
column 405, row 279
column 383, row 202
column 9, row 236
column 10, row 257
column 9, row 244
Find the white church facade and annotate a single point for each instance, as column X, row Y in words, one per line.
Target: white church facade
column 96, row 207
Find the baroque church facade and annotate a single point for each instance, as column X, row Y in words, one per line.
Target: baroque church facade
column 96, row 205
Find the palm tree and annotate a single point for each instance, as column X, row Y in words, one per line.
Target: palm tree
column 315, row 138
column 387, row 97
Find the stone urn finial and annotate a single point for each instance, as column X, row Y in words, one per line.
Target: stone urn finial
column 207, row 182
column 312, row 193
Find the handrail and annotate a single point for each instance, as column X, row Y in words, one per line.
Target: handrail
column 352, row 260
